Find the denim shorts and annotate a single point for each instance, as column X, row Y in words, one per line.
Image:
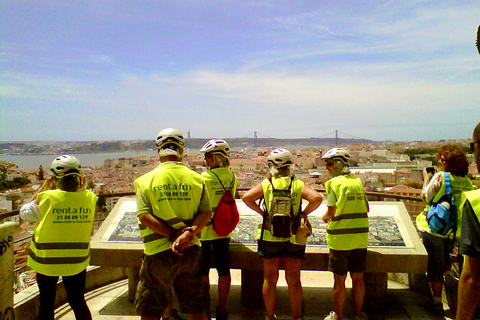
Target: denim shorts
column 280, row 249
column 166, row 270
column 343, row 261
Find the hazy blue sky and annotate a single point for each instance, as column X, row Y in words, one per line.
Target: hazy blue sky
column 123, row 70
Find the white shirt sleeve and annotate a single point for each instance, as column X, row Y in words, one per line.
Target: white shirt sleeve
column 30, row 211
column 431, row 189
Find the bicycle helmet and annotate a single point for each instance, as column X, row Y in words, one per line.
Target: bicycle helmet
column 65, row 166
column 337, row 154
column 280, row 158
column 170, row 136
column 216, row 146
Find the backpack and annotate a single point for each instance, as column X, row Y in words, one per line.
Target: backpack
column 226, row 216
column 280, row 217
column 442, row 215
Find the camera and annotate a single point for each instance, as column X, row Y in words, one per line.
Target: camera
column 431, row 170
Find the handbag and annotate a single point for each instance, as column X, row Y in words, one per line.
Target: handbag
column 304, row 229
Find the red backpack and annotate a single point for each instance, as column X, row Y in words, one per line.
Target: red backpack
column 226, row 216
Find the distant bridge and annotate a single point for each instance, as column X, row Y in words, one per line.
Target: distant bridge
column 334, row 134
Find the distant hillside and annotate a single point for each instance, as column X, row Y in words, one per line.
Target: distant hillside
column 77, row 147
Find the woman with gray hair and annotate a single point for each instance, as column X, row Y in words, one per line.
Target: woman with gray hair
column 274, row 249
column 347, row 231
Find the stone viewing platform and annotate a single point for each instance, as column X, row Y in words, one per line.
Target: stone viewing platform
column 394, row 248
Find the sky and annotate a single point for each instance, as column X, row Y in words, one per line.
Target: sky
column 123, row 70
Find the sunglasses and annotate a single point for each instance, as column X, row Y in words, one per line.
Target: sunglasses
column 472, row 145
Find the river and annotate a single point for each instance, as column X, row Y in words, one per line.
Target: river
column 86, row 159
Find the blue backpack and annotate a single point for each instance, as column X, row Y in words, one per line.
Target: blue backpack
column 442, row 215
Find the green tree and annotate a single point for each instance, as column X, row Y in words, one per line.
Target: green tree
column 416, row 185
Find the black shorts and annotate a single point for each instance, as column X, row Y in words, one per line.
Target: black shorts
column 438, row 249
column 221, row 253
column 280, row 249
column 343, row 261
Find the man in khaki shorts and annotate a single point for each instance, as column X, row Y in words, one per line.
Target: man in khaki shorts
column 172, row 208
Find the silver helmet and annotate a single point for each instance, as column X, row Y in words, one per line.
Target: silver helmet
column 216, row 146
column 170, row 136
column 280, row 158
column 337, row 154
column 65, row 166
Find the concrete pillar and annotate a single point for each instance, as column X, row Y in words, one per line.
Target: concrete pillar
column 252, row 283
column 7, row 231
column 376, row 295
column 133, row 278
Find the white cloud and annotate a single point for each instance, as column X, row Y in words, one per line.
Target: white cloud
column 290, row 69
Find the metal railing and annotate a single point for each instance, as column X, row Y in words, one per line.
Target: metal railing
column 241, row 190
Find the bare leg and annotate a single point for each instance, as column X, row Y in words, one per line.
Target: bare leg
column 358, row 291
column 224, row 283
column 270, row 274
column 339, row 294
column 295, row 292
column 468, row 289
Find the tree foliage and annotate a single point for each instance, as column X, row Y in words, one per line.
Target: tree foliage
column 416, row 185
column 15, row 183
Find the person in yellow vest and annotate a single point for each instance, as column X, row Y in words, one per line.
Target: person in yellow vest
column 452, row 159
column 274, row 250
column 469, row 284
column 347, row 231
column 60, row 247
column 217, row 179
column 172, row 207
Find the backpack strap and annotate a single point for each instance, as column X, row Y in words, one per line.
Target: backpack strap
column 292, row 178
column 271, row 182
column 289, row 186
column 264, row 218
column 233, row 182
column 453, row 208
column 448, row 189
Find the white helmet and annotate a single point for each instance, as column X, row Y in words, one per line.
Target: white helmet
column 65, row 166
column 337, row 154
column 170, row 136
column 280, row 158
column 216, row 146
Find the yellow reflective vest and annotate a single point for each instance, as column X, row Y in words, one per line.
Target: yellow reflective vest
column 173, row 193
column 474, row 199
column 348, row 229
column 61, row 240
column 281, row 183
column 215, row 192
column 458, row 185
